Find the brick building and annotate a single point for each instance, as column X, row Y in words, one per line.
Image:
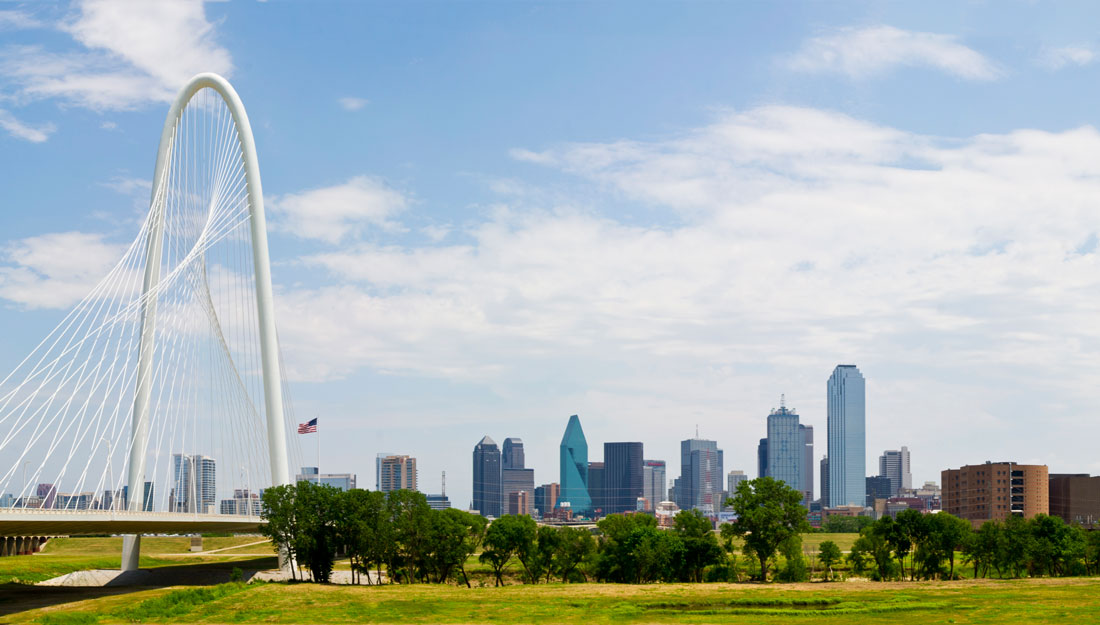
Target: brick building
column 995, row 490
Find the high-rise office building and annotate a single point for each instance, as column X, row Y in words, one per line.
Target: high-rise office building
column 146, row 500
column 378, row 468
column 511, row 455
column 807, row 463
column 487, row 487
column 574, row 468
column 847, row 431
column 623, row 477
column 244, row 502
column 514, row 478
column 894, row 464
column 546, row 497
column 823, row 470
column 701, row 476
column 733, row 478
column 194, row 484
column 397, row 473
column 995, row 491
column 786, row 444
column 654, row 482
column 762, row 458
column 597, row 488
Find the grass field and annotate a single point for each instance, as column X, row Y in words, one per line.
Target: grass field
column 65, row 555
column 1018, row 601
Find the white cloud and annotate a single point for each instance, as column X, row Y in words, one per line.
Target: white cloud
column 55, row 270
column 353, row 104
column 1057, row 58
column 136, row 53
column 334, row 213
column 870, row 51
column 957, row 273
column 18, row 20
column 21, row 130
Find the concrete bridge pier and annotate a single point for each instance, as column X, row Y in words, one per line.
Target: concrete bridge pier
column 131, row 552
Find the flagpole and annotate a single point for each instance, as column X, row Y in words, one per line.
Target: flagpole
column 318, row 433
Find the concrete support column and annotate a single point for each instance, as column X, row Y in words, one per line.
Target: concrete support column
column 20, row 545
column 5, row 546
column 131, row 552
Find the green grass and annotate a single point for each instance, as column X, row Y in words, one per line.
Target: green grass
column 65, row 555
column 1072, row 600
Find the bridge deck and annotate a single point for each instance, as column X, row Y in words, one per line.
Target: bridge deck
column 32, row 522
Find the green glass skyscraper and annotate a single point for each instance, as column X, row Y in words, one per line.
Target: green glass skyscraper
column 574, row 468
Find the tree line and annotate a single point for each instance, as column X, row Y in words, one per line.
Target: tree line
column 919, row 546
column 397, row 532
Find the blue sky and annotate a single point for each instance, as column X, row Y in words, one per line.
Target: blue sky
column 489, row 216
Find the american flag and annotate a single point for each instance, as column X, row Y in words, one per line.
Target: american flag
column 308, row 427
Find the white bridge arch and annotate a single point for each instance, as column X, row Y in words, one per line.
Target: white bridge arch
column 165, row 358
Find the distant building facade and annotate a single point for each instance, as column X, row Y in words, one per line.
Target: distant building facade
column 339, row 481
column 244, row 502
column 762, row 458
column 654, row 482
column 397, row 472
column 438, row 502
column 574, row 469
column 878, row 487
column 733, row 478
column 823, row 471
column 487, row 486
column 1075, row 498
column 847, row 432
column 194, row 484
column 995, row 490
column 597, row 488
column 807, row 463
column 894, row 464
column 786, row 444
column 546, row 498
column 623, row 476
column 515, row 477
column 700, row 485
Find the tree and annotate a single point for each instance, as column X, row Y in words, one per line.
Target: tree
column 830, row 555
column 548, row 541
column 980, row 549
column 281, row 522
column 575, row 547
column 845, row 524
column 353, row 528
column 794, row 563
column 316, row 541
column 409, row 517
column 869, row 549
column 510, row 535
column 768, row 513
column 946, row 533
column 700, row 545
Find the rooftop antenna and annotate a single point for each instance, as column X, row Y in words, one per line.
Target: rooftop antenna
column 696, row 430
column 444, row 484
column 782, row 401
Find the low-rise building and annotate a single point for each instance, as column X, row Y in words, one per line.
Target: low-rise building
column 1075, row 497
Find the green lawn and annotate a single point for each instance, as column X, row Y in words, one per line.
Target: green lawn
column 1074, row 600
column 65, row 555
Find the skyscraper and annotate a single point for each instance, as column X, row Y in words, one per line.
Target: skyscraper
column 824, row 472
column 700, row 485
column 762, row 458
column 206, row 483
column 546, row 497
column 574, row 468
column 194, row 484
column 807, row 463
column 397, row 473
column 786, row 444
column 654, row 482
column 623, row 479
column 847, row 430
column 894, row 464
column 733, row 478
column 487, row 490
column 514, row 478
column 597, row 491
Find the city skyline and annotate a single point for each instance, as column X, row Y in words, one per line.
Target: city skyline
column 475, row 228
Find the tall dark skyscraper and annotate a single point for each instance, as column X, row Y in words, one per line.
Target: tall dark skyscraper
column 762, row 458
column 487, row 487
column 623, row 476
column 807, row 463
column 512, row 454
column 824, row 481
column 574, row 468
column 597, row 487
column 514, row 476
